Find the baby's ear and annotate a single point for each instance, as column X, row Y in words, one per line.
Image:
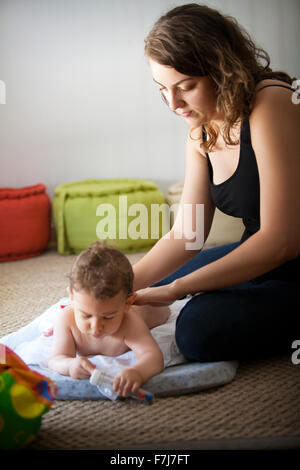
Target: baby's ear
column 131, row 298
column 70, row 292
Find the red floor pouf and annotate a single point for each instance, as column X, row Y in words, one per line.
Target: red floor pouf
column 24, row 222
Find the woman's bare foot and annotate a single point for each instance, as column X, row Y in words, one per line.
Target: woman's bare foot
column 153, row 316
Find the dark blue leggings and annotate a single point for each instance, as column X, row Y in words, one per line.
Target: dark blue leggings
column 247, row 321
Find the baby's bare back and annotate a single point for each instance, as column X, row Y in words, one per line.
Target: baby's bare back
column 153, row 316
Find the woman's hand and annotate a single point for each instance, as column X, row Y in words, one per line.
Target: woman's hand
column 161, row 295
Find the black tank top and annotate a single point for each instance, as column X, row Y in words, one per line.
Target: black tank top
column 239, row 195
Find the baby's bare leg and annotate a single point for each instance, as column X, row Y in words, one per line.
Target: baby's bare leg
column 153, row 316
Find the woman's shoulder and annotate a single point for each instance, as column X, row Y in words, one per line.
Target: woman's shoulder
column 274, row 101
column 273, row 93
column 274, row 82
column 274, row 121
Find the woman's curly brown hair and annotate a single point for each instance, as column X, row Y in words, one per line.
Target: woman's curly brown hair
column 102, row 271
column 197, row 41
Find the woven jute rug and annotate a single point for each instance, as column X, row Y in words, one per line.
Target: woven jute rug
column 260, row 408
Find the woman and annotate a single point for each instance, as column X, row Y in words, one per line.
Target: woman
column 242, row 156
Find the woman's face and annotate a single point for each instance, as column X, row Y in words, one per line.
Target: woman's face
column 193, row 98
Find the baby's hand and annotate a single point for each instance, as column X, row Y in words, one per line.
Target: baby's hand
column 81, row 368
column 127, row 381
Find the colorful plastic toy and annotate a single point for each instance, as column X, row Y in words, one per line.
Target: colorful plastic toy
column 25, row 396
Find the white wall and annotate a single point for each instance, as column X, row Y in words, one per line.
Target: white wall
column 80, row 101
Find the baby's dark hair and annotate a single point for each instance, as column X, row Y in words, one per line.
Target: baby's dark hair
column 102, row 271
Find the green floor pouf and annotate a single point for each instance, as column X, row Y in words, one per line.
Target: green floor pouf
column 129, row 214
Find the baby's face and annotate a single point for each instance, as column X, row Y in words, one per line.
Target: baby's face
column 98, row 317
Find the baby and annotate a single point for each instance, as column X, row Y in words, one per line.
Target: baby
column 102, row 320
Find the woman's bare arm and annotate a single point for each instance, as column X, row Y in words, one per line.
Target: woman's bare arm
column 173, row 250
column 276, row 142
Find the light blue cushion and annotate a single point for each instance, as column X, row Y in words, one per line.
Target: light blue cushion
column 175, row 380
